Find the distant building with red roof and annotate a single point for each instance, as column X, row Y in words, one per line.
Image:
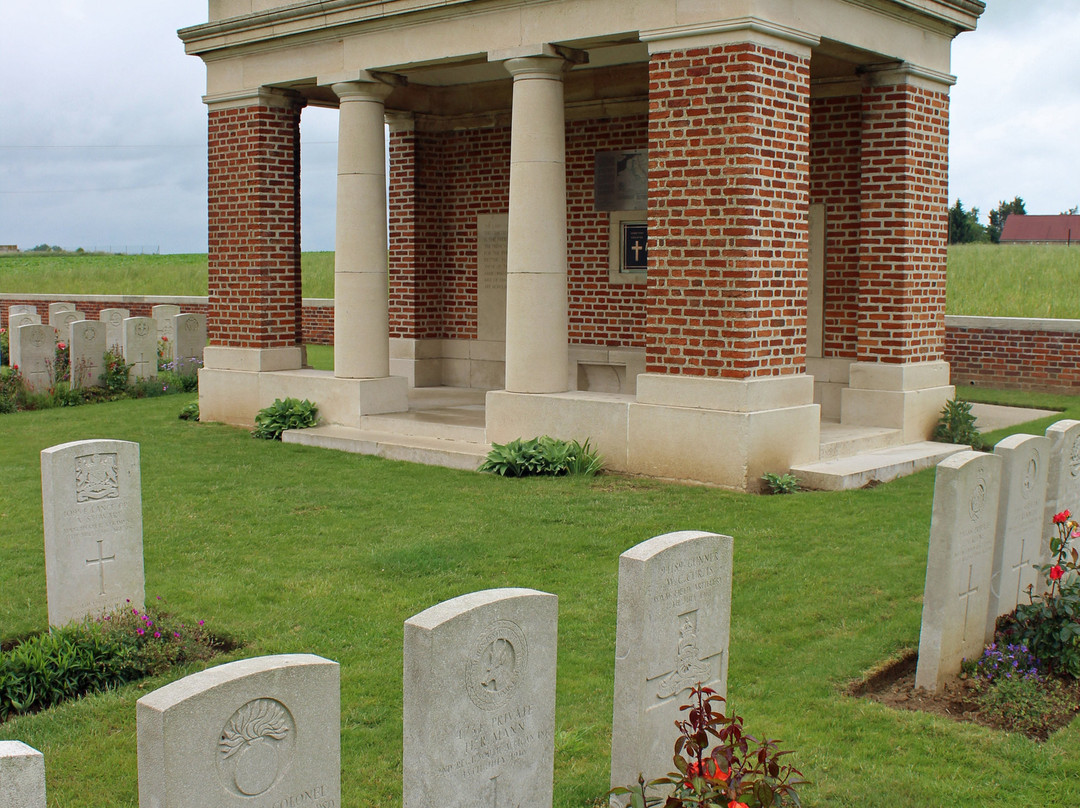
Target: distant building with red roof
column 1027, row 229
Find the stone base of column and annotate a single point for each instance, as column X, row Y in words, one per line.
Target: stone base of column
column 715, row 431
column 908, row 397
column 234, row 395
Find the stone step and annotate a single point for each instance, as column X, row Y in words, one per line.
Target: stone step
column 452, row 424
column 465, row 455
column 845, row 441
column 880, row 465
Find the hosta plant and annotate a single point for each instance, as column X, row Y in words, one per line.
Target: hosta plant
column 289, row 413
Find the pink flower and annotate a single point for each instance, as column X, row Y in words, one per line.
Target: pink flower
column 63, row 347
column 139, row 631
column 157, row 634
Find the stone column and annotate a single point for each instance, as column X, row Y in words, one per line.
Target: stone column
column 536, row 317
column 361, row 323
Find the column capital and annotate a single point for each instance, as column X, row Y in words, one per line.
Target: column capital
column 273, row 97
column 361, row 90
column 547, row 60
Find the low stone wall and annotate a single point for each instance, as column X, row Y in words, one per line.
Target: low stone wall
column 1004, row 352
column 318, row 313
column 1014, row 352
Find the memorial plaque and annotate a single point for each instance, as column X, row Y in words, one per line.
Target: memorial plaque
column 491, row 238
column 621, row 180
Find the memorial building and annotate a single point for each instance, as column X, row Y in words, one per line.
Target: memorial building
column 701, row 233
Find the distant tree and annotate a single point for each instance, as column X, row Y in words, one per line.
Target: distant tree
column 40, row 248
column 1073, row 211
column 998, row 217
column 964, row 227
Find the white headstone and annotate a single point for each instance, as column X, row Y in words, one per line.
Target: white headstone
column 1020, row 522
column 15, row 322
column 262, row 732
column 958, row 568
column 1062, row 479
column 164, row 316
column 22, row 776
column 62, row 320
column 87, row 346
column 91, row 495
column 140, row 347
column 35, row 354
column 479, row 701
column 20, row 308
column 114, row 327
column 674, row 614
column 190, row 342
column 56, row 308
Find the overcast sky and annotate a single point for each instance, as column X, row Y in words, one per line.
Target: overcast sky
column 103, row 130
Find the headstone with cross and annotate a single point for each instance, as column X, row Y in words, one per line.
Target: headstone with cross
column 15, row 321
column 674, row 613
column 113, row 319
column 1020, row 525
column 479, row 701
column 956, row 599
column 140, row 347
column 1062, row 479
column 35, row 355
column 91, row 496
column 164, row 316
column 86, row 341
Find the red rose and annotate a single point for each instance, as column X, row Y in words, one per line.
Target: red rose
column 1055, row 571
column 737, row 804
column 1060, row 518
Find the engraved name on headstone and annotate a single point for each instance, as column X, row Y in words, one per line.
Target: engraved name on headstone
column 91, row 495
column 1020, row 522
column 674, row 613
column 958, row 569
column 263, row 732
column 491, row 240
column 479, row 701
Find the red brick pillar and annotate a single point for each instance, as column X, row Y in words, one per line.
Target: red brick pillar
column 728, row 197
column 403, row 227
column 903, row 222
column 254, row 223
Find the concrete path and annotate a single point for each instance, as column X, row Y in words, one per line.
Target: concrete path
column 989, row 417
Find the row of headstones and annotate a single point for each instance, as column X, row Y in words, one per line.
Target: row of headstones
column 989, row 533
column 479, row 670
column 32, row 344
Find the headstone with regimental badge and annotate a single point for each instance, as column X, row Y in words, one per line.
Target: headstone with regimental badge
column 674, row 614
column 114, row 327
column 164, row 316
column 91, row 494
column 1020, row 522
column 956, row 598
column 189, row 342
column 479, row 701
column 262, row 732
column 57, row 308
column 141, row 347
column 34, row 352
column 86, row 343
column 16, row 321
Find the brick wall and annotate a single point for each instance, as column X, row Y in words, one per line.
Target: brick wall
column 835, row 147
column 728, row 194
column 1013, row 353
column 905, row 139
column 254, row 226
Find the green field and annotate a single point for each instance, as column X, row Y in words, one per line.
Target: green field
column 294, row 549
column 984, row 279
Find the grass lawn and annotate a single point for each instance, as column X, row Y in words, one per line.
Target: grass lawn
column 295, row 549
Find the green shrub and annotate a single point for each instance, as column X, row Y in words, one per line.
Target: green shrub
column 115, row 376
column 781, row 483
column 957, row 424
column 542, row 456
column 96, row 655
column 3, row 346
column 289, row 413
column 190, row 412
